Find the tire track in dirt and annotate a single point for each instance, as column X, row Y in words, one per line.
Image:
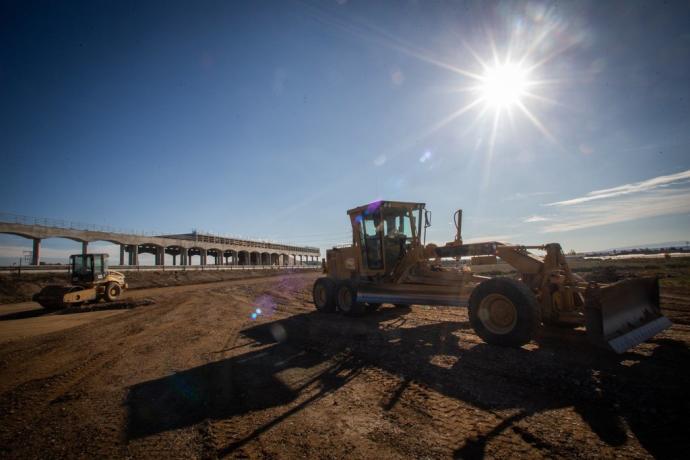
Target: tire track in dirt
column 28, row 404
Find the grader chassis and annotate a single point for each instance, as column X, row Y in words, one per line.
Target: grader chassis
column 389, row 263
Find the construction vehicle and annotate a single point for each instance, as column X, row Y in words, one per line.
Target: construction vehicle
column 389, row 262
column 91, row 281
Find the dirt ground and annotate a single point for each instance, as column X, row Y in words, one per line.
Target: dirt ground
column 195, row 375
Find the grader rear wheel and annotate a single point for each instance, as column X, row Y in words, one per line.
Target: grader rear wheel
column 324, row 295
column 347, row 300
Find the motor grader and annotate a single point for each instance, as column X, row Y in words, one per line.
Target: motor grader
column 388, row 262
column 91, row 281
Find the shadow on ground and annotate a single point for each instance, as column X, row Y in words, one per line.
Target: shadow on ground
column 24, row 314
column 648, row 393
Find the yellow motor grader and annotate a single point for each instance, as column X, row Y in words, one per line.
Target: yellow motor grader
column 389, row 263
column 91, row 281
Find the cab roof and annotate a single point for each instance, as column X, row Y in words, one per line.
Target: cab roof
column 375, row 205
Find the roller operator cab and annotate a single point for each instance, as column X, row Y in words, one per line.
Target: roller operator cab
column 88, row 268
column 388, row 262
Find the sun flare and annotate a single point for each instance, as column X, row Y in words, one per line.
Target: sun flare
column 504, row 85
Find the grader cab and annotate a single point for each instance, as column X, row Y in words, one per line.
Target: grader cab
column 388, row 262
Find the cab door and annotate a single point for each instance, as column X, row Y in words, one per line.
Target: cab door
column 371, row 241
column 98, row 267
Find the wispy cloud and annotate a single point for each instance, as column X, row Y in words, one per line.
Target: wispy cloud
column 658, row 196
column 481, row 239
column 535, row 218
column 626, row 189
column 522, row 196
column 54, row 253
column 622, row 209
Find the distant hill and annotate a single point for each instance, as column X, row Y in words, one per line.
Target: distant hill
column 685, row 245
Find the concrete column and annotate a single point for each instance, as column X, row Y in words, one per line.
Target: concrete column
column 135, row 253
column 84, row 247
column 160, row 252
column 36, row 256
column 203, row 256
column 122, row 254
column 174, row 259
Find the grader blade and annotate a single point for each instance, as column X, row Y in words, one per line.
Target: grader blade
column 624, row 314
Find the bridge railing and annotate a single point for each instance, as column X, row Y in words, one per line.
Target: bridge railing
column 67, row 224
column 74, row 225
column 166, row 268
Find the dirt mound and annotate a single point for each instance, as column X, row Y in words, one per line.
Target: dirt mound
column 15, row 288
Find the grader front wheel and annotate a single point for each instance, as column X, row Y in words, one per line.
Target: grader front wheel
column 504, row 312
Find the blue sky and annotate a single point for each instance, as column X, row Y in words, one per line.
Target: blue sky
column 271, row 119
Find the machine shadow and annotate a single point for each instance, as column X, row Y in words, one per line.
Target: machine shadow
column 24, row 314
column 602, row 388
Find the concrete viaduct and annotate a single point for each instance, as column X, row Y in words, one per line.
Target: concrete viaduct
column 223, row 251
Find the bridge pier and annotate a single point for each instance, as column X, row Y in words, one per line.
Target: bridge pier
column 122, row 254
column 84, row 247
column 160, row 256
column 36, row 256
column 133, row 254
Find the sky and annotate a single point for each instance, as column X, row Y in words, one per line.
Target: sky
column 270, row 119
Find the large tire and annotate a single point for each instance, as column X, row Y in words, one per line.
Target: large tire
column 347, row 300
column 504, row 312
column 323, row 294
column 112, row 291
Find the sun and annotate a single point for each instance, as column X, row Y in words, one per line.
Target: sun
column 504, row 85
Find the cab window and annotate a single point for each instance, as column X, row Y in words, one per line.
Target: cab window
column 98, row 264
column 371, row 244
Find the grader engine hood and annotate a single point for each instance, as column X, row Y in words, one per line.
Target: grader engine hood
column 624, row 314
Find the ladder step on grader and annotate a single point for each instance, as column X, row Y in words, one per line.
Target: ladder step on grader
column 388, row 262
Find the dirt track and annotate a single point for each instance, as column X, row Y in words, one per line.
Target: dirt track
column 195, row 376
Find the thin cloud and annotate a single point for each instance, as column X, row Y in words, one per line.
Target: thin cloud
column 535, row 218
column 482, row 239
column 657, row 203
column 635, row 187
column 522, row 196
column 53, row 253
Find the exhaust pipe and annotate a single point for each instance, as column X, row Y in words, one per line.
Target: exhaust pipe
column 624, row 314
